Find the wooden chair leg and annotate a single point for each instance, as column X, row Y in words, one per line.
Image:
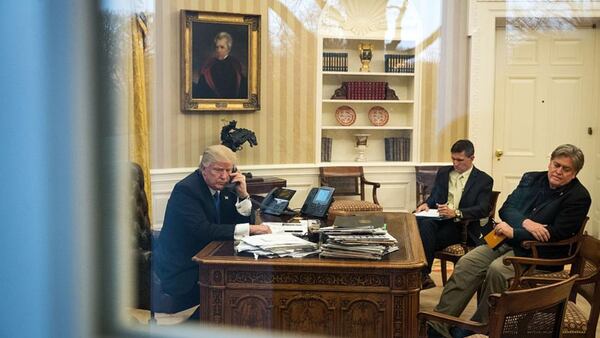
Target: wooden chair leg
column 444, row 271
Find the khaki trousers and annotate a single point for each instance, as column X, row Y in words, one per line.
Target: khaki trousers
column 480, row 265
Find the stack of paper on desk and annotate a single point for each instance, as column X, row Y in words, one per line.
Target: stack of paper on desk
column 277, row 245
column 359, row 221
column 364, row 242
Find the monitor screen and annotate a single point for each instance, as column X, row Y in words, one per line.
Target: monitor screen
column 322, row 196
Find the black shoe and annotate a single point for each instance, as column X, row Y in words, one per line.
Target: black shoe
column 427, row 283
column 432, row 333
column 459, row 332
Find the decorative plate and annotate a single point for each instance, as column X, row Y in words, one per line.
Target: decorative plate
column 378, row 116
column 345, row 115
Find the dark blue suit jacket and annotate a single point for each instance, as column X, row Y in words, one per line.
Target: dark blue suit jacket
column 190, row 224
column 474, row 202
column 563, row 211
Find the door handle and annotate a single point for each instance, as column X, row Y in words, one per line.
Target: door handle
column 499, row 154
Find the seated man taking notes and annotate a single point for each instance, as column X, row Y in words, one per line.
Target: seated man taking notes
column 200, row 211
column 546, row 206
column 460, row 191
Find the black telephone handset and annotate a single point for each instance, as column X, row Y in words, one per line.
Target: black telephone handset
column 318, row 201
column 231, row 186
column 277, row 201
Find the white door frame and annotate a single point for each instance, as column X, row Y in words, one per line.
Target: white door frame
column 482, row 30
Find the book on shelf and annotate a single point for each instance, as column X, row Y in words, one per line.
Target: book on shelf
column 397, row 148
column 366, row 90
column 335, row 62
column 388, row 149
column 396, row 63
column 326, row 149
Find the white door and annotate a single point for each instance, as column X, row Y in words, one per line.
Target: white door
column 543, row 98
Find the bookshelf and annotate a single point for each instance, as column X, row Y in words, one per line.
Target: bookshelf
column 386, row 118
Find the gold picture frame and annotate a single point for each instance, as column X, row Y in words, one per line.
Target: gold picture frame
column 220, row 61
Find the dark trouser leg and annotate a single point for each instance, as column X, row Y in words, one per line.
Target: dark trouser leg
column 435, row 235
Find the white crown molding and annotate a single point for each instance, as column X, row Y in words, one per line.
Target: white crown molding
column 357, row 18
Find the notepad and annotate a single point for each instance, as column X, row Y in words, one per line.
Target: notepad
column 431, row 213
column 493, row 239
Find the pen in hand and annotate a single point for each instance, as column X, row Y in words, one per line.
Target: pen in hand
column 444, row 210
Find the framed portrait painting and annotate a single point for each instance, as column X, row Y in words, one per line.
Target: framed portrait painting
column 220, row 61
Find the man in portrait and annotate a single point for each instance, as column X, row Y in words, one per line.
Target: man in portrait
column 222, row 76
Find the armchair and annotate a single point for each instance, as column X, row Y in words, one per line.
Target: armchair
column 425, row 178
column 142, row 245
column 348, row 181
column 525, row 266
column 536, row 312
column 578, row 322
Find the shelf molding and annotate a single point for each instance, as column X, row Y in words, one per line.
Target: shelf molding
column 367, row 127
column 369, row 74
column 368, row 101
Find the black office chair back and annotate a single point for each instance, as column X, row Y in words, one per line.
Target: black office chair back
column 142, row 245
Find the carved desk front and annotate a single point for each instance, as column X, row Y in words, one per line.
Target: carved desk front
column 335, row 297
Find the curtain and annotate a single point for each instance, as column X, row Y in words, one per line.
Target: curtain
column 139, row 141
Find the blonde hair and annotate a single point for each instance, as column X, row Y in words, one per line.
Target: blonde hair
column 217, row 153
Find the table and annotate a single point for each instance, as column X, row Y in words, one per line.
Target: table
column 264, row 184
column 336, row 297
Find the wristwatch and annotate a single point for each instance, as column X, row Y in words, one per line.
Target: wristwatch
column 458, row 213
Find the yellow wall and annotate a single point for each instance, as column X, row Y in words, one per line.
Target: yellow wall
column 285, row 125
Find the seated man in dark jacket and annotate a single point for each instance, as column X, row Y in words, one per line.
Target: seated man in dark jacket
column 200, row 211
column 460, row 192
column 545, row 206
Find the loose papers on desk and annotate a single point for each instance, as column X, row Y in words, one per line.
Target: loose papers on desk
column 298, row 229
column 277, row 245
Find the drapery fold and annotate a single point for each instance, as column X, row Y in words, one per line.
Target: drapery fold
column 139, row 138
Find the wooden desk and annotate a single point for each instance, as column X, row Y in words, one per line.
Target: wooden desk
column 266, row 185
column 336, row 297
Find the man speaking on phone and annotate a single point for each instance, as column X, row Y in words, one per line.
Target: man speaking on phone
column 198, row 212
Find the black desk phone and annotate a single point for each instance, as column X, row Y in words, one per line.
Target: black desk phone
column 277, row 201
column 318, row 201
column 231, row 186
